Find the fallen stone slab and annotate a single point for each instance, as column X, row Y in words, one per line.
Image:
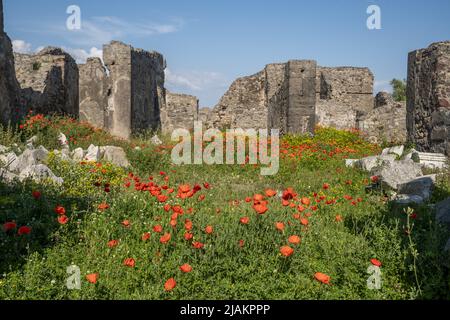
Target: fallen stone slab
column 369, row 163
column 405, row 199
column 29, row 157
column 7, row 160
column 422, row 187
column 397, row 150
column 431, row 160
column 78, row 154
column 8, row 177
column 93, row 153
column 392, row 174
column 350, row 163
column 116, row 156
column 39, row 173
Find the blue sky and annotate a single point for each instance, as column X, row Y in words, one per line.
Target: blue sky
column 209, row 43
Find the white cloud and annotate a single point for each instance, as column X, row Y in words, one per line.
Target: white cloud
column 81, row 55
column 382, row 85
column 21, row 46
column 194, row 80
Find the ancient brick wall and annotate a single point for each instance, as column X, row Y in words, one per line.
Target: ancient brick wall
column 10, row 110
column 386, row 122
column 48, row 81
column 179, row 111
column 428, row 98
column 126, row 94
column 94, row 89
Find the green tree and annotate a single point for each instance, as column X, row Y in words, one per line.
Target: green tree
column 399, row 89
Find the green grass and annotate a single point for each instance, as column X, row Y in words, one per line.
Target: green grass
column 34, row 266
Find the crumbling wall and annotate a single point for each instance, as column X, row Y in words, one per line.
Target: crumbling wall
column 342, row 95
column 10, row 109
column 94, row 89
column 126, row 94
column 385, row 123
column 180, row 111
column 48, row 81
column 282, row 96
column 428, row 98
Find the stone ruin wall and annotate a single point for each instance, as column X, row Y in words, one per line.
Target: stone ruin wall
column 10, row 109
column 282, row 96
column 343, row 94
column 125, row 95
column 48, row 81
column 179, row 112
column 428, row 98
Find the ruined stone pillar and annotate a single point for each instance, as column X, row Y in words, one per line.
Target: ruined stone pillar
column 428, row 98
column 301, row 110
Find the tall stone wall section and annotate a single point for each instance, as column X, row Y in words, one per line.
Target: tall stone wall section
column 428, row 98
column 343, row 94
column 10, row 109
column 125, row 95
column 179, row 112
column 48, row 81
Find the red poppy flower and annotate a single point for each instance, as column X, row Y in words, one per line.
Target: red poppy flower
column 184, row 188
column 126, row 223
column 209, row 230
column 326, row 186
column 188, row 236
column 60, row 210
column 374, row 179
column 306, row 201
column 173, row 223
column 294, row 239
column 167, row 207
column 158, row 228
column 129, row 262
column 260, row 209
column 63, row 219
column 270, row 193
column 92, row 278
column 165, row 238
column 206, row 185
column 170, row 284
column 201, row 197
column 197, row 245
column 9, row 226
column 146, row 236
column 24, row 230
column 339, row 218
column 245, row 220
column 186, row 268
column 241, row 243
column 188, row 225
column 322, row 278
column 286, row 251
column 103, row 206
column 36, row 195
column 113, row 243
column 376, row 262
column 304, row 221
column 279, row 226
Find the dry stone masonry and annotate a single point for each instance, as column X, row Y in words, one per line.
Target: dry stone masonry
column 126, row 95
column 9, row 89
column 428, row 98
column 48, row 81
column 180, row 111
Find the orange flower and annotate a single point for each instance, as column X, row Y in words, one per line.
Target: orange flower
column 260, row 209
column 146, row 236
column 306, row 201
column 326, row 186
column 103, row 206
column 245, row 220
column 209, row 230
column 286, row 251
column 170, row 284
column 322, row 278
column 376, row 262
column 126, row 223
column 165, row 238
column 129, row 262
column 186, row 268
column 92, row 278
column 270, row 193
column 339, row 218
column 184, row 188
column 113, row 243
column 188, row 225
column 197, row 245
column 294, row 239
column 188, row 236
column 63, row 219
column 279, row 226
column 158, row 228
column 304, row 221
